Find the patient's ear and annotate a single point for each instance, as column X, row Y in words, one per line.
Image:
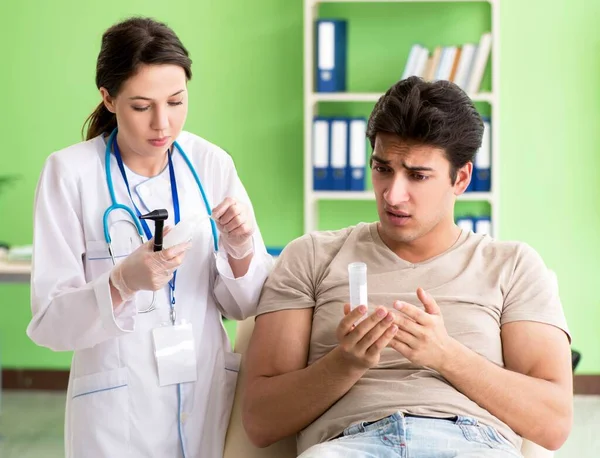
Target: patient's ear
column 463, row 178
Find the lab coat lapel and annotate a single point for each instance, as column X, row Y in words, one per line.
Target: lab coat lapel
column 155, row 193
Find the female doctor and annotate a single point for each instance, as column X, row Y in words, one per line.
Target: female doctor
column 153, row 374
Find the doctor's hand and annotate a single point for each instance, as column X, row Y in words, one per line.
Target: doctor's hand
column 147, row 270
column 422, row 337
column 361, row 344
column 236, row 225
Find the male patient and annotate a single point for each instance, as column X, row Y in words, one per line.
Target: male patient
column 463, row 349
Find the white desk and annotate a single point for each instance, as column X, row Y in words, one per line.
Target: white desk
column 15, row 272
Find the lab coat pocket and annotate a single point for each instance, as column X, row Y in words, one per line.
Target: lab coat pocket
column 97, row 256
column 99, row 417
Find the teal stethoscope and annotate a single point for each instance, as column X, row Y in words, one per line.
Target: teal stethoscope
column 140, row 224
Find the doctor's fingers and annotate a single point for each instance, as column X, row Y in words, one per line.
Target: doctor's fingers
column 161, row 272
column 238, row 229
column 222, row 208
column 173, row 252
column 167, row 267
column 235, row 212
column 158, row 281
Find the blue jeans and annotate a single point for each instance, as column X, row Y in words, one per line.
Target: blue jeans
column 405, row 436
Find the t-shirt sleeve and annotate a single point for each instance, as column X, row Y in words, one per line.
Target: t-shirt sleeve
column 290, row 284
column 532, row 293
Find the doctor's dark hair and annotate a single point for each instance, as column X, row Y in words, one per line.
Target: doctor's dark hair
column 126, row 46
column 436, row 113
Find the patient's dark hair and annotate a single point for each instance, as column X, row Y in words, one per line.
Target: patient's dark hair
column 432, row 113
column 125, row 46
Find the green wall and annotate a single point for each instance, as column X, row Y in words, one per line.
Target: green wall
column 246, row 95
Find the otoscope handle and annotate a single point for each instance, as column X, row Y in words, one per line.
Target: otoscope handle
column 158, row 235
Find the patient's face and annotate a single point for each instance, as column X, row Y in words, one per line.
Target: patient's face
column 415, row 196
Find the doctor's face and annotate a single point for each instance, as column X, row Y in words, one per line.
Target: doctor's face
column 151, row 108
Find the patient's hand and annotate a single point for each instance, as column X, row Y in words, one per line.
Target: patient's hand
column 361, row 344
column 422, row 337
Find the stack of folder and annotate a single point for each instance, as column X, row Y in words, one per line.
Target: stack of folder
column 339, row 154
column 481, row 181
column 479, row 225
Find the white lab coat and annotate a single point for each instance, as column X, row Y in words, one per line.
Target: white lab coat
column 115, row 406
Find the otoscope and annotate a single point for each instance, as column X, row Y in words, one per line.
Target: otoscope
column 158, row 216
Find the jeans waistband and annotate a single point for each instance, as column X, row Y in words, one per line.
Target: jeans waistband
column 364, row 426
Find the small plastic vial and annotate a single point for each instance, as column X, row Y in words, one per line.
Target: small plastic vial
column 357, row 278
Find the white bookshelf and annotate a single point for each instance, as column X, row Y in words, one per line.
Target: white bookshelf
column 312, row 98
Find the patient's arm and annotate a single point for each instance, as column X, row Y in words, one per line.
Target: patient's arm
column 533, row 393
column 282, row 394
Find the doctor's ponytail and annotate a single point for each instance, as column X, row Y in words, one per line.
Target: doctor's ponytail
column 125, row 47
column 99, row 122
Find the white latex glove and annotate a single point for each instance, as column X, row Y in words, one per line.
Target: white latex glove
column 145, row 269
column 236, row 226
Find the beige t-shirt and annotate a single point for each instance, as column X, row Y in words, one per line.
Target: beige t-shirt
column 479, row 284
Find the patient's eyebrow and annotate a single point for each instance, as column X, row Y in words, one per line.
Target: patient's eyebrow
column 411, row 168
column 381, row 160
column 417, row 168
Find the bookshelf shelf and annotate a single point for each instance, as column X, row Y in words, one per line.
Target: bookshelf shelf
column 402, row 1
column 368, row 195
column 374, row 96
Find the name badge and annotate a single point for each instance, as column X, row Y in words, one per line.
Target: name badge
column 175, row 354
